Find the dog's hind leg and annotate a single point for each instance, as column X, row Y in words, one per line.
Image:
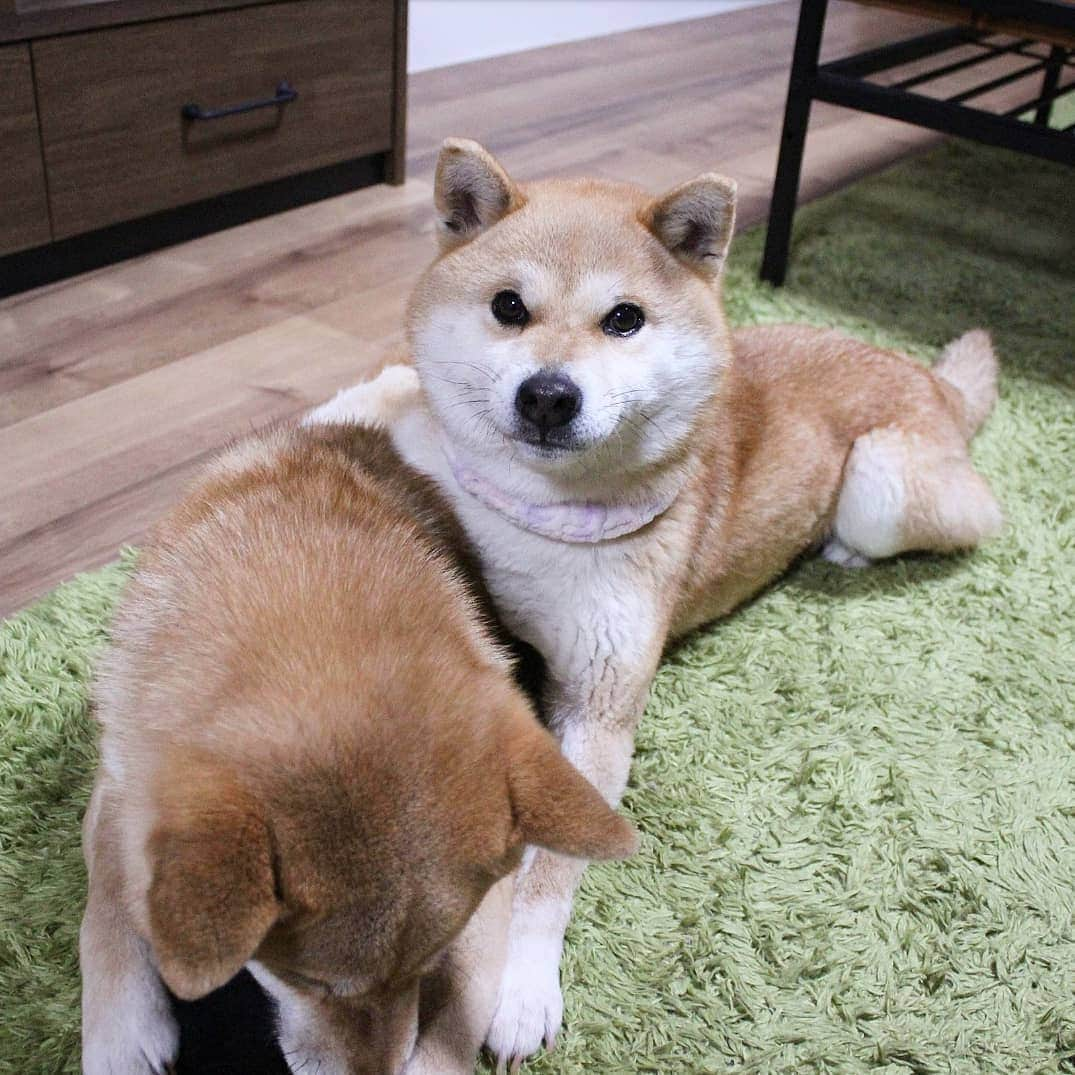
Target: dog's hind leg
column 127, row 1023
column 905, row 491
column 912, row 486
column 836, row 552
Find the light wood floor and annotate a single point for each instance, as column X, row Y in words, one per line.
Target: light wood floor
column 115, row 385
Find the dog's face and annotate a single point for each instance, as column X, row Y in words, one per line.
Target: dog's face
column 342, row 886
column 577, row 324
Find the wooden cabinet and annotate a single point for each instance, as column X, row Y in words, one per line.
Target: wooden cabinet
column 24, row 214
column 119, row 146
column 114, row 112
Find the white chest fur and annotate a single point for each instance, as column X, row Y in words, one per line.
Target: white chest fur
column 583, row 607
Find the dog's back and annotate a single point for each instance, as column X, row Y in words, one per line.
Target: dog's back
column 288, row 565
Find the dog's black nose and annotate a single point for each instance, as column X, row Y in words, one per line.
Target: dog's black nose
column 549, row 400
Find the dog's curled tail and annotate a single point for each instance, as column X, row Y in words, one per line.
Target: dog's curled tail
column 969, row 365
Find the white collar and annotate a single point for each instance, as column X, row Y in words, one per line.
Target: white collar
column 573, row 521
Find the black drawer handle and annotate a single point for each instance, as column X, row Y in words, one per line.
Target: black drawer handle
column 285, row 94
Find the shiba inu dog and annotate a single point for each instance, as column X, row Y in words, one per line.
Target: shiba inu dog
column 629, row 468
column 315, row 763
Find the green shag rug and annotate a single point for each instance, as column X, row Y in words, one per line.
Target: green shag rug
column 857, row 794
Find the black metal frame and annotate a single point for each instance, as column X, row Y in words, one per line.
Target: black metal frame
column 846, row 82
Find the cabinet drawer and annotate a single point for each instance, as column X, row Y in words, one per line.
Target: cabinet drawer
column 117, row 145
column 24, row 214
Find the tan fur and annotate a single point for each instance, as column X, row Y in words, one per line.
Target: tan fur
column 313, row 758
column 969, row 366
column 767, row 457
column 773, row 440
column 797, row 408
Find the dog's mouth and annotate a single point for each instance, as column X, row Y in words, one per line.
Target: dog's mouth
column 549, row 443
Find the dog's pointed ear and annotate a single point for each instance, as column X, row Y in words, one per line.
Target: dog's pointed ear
column 471, row 191
column 212, row 894
column 555, row 806
column 695, row 221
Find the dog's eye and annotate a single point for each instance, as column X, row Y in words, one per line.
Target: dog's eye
column 623, row 320
column 509, row 309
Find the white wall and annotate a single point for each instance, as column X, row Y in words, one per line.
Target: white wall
column 453, row 31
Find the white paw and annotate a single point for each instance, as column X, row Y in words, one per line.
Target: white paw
column 836, row 552
column 136, row 1037
column 529, row 1006
column 373, row 402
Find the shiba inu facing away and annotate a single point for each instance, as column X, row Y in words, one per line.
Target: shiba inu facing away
column 629, row 468
column 315, row 763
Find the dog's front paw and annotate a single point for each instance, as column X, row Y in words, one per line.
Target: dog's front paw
column 530, row 1006
column 374, row 403
column 137, row 1037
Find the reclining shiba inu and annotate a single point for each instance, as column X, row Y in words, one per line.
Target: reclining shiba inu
column 315, row 763
column 629, row 468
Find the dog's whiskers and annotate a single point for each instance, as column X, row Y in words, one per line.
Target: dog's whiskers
column 621, row 399
column 482, row 418
column 652, row 421
column 448, row 380
column 470, row 390
column 288, row 1057
column 483, row 370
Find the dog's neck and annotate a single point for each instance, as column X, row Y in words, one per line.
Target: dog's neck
column 583, row 521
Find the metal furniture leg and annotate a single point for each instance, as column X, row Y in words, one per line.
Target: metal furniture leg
column 804, row 66
column 1048, row 86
